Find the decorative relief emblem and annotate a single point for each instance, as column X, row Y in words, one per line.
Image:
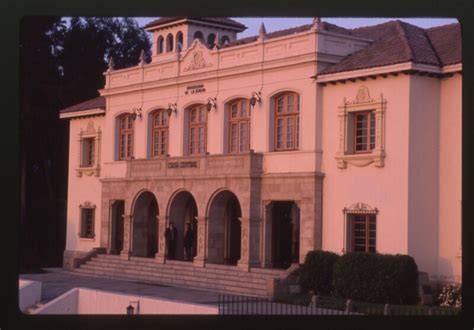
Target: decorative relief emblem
column 90, row 127
column 362, row 95
column 198, row 62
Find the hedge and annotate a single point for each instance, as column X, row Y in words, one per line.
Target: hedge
column 317, row 271
column 376, row 278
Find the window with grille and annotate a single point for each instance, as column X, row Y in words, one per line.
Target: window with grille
column 364, row 131
column 125, row 137
column 88, row 152
column 197, row 130
column 239, row 126
column 287, row 108
column 87, row 223
column 160, row 133
column 362, row 232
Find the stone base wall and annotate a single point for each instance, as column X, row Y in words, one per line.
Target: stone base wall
column 73, row 259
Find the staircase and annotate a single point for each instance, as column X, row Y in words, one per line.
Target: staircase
column 31, row 309
column 217, row 278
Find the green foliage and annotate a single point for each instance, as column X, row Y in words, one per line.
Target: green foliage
column 376, row 278
column 317, row 271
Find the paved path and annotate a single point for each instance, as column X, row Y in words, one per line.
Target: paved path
column 57, row 281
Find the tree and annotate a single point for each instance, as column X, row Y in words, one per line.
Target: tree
column 61, row 64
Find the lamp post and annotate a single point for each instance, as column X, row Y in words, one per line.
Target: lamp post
column 131, row 310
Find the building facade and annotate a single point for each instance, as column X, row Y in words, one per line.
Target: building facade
column 315, row 137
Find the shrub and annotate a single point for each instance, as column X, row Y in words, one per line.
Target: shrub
column 316, row 272
column 451, row 296
column 376, row 278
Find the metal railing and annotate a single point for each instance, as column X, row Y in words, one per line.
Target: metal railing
column 320, row 305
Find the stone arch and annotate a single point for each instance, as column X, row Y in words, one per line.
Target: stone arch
column 169, row 43
column 224, row 229
column 145, row 212
column 182, row 210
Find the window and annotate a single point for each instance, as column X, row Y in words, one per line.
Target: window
column 364, row 131
column 169, row 43
column 239, row 126
column 225, row 40
column 125, row 137
column 88, row 151
column 362, row 232
column 286, row 133
column 361, row 138
column 88, row 161
column 197, row 130
column 159, row 133
column 87, row 222
column 198, row 35
column 160, row 45
column 179, row 41
column 210, row 39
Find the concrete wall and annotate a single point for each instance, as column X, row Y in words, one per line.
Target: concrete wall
column 29, row 293
column 88, row 301
column 450, row 179
column 384, row 188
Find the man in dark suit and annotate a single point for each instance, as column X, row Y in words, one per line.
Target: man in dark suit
column 170, row 237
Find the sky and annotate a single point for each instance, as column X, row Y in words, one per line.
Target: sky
column 280, row 23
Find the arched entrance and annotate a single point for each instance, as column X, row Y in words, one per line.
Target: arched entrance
column 285, row 233
column 145, row 226
column 183, row 211
column 224, row 229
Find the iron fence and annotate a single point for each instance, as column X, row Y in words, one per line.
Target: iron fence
column 320, row 305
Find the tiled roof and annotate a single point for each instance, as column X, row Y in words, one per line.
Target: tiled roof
column 220, row 20
column 97, row 102
column 446, row 40
column 399, row 42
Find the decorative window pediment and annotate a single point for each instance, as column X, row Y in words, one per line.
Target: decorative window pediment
column 362, row 130
column 360, row 208
column 89, row 151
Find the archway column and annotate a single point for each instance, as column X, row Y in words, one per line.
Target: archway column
column 127, row 231
column 200, row 258
column 249, row 246
column 160, row 255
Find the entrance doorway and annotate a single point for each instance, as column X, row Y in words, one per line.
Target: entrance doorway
column 224, row 229
column 116, row 231
column 183, row 211
column 145, row 226
column 285, row 233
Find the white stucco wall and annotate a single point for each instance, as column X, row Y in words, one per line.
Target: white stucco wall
column 450, row 179
column 89, row 301
column 81, row 189
column 383, row 188
column 29, row 293
column 423, row 150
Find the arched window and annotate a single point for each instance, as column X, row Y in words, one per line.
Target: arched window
column 169, row 43
column 198, row 35
column 159, row 133
column 197, row 130
column 239, row 126
column 287, row 121
column 179, row 41
column 125, row 136
column 160, row 45
column 225, row 40
column 210, row 39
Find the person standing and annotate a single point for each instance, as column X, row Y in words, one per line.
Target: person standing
column 189, row 242
column 170, row 238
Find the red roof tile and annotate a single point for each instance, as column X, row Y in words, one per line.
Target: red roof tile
column 446, row 40
column 97, row 102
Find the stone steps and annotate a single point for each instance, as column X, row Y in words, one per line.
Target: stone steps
column 217, row 278
column 208, row 286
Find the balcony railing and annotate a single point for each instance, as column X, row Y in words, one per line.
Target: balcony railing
column 207, row 165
